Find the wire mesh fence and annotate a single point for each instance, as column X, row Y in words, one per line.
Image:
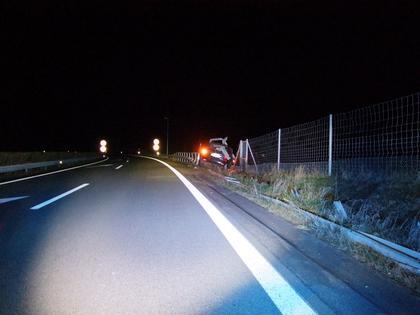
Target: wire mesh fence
column 383, row 137
column 305, row 144
column 372, row 154
column 264, row 150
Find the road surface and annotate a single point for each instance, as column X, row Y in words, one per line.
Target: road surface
column 130, row 236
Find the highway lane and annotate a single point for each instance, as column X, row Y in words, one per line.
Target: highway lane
column 134, row 240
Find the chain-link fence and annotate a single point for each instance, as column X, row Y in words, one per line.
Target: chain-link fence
column 384, row 137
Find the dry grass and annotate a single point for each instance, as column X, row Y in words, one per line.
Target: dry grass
column 386, row 205
column 315, row 192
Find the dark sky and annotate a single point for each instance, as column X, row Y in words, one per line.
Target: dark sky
column 74, row 73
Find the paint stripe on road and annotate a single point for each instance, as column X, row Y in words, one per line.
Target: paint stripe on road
column 118, row 167
column 45, row 203
column 4, row 200
column 50, row 173
column 102, row 165
column 286, row 299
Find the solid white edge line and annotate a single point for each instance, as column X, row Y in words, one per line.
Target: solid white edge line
column 118, row 167
column 45, row 203
column 50, row 173
column 284, row 297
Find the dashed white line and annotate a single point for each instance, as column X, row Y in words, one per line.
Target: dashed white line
column 286, row 299
column 118, row 167
column 5, row 200
column 45, row 203
column 102, row 165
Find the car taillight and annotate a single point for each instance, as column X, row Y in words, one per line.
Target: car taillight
column 204, row 152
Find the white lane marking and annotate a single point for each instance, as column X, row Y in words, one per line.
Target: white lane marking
column 4, row 200
column 102, row 165
column 45, row 203
column 50, row 173
column 118, row 167
column 286, row 299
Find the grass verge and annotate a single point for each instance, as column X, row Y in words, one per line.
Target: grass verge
column 388, row 210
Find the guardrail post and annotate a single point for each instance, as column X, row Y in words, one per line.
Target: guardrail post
column 330, row 144
column 278, row 150
column 248, row 149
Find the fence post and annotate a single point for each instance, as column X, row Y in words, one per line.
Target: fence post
column 248, row 149
column 246, row 155
column 330, row 144
column 278, row 150
column 241, row 155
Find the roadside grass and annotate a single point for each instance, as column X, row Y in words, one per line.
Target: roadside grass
column 386, row 205
column 310, row 191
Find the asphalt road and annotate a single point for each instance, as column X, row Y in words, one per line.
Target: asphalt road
column 129, row 236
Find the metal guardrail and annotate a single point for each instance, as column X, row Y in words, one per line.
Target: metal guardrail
column 45, row 164
column 408, row 257
column 185, row 157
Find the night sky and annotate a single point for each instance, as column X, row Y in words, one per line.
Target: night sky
column 74, row 73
